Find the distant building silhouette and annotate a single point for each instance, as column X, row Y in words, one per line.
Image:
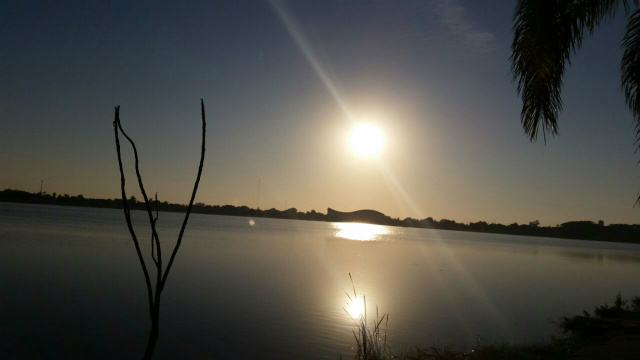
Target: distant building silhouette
column 365, row 216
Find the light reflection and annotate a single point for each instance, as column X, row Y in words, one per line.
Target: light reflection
column 359, row 231
column 355, row 308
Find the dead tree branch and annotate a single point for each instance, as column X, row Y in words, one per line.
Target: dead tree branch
column 156, row 249
column 127, row 211
column 193, row 196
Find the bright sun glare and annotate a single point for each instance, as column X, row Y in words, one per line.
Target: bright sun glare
column 355, row 308
column 366, row 140
column 358, row 231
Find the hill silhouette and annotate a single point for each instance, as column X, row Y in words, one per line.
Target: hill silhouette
column 364, row 216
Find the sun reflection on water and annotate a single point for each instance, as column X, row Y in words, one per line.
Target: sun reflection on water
column 359, row 231
column 355, row 308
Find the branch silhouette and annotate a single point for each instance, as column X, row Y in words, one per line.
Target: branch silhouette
column 127, row 212
column 156, row 249
column 193, row 196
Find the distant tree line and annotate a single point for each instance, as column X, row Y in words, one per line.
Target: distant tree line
column 583, row 230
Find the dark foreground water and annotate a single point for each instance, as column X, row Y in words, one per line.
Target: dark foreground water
column 71, row 285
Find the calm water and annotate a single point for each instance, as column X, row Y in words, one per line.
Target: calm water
column 71, row 285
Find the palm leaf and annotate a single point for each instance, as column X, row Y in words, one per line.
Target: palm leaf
column 546, row 33
column 630, row 71
column 631, row 68
column 590, row 13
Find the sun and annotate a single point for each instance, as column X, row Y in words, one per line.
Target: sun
column 366, row 140
column 355, row 308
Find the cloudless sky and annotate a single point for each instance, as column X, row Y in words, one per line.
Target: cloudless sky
column 276, row 78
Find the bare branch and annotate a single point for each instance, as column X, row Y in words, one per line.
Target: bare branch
column 193, row 196
column 153, row 255
column 154, row 234
column 156, row 219
column 156, row 250
column 127, row 211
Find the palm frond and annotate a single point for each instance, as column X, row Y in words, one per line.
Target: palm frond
column 630, row 68
column 630, row 71
column 591, row 13
column 546, row 33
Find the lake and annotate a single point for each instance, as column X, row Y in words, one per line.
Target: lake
column 71, row 285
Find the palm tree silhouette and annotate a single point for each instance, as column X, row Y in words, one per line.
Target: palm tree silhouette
column 545, row 35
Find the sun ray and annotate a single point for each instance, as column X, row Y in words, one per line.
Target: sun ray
column 298, row 37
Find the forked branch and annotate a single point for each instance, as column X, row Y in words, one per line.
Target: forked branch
column 156, row 249
column 127, row 211
column 154, row 234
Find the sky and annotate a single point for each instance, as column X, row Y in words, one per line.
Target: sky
column 284, row 82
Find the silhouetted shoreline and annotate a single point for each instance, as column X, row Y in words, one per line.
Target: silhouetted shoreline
column 580, row 230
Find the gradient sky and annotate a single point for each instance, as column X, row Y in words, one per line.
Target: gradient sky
column 277, row 78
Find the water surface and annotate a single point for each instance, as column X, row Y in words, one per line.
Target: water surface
column 71, row 285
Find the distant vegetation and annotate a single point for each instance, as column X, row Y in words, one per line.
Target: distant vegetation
column 583, row 230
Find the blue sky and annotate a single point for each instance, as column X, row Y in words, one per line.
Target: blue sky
column 277, row 78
